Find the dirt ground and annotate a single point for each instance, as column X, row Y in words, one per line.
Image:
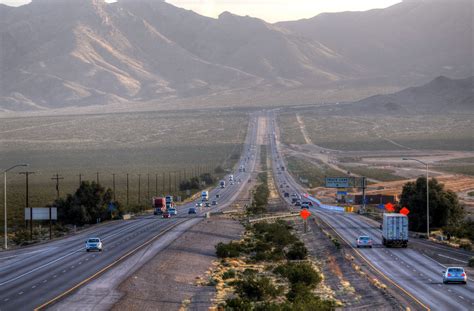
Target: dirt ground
column 352, row 289
column 168, row 281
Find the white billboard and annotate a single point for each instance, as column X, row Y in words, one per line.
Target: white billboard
column 41, row 213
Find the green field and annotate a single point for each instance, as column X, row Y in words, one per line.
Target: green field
column 314, row 172
column 446, row 132
column 374, row 173
column 155, row 145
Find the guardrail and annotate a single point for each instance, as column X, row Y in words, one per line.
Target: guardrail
column 274, row 217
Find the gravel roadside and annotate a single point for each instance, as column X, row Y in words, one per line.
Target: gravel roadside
column 168, row 281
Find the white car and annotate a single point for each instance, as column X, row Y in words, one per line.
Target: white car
column 93, row 244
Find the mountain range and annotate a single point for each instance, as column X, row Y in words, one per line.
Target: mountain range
column 68, row 53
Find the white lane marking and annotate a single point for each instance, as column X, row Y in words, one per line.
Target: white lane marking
column 67, row 255
column 430, row 280
column 54, row 276
column 20, row 293
column 461, row 297
column 72, row 267
column 6, row 299
column 34, row 286
column 44, row 281
column 449, row 290
column 64, row 271
column 441, row 255
column 34, row 252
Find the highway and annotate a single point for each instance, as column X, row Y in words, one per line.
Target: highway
column 32, row 276
column 411, row 271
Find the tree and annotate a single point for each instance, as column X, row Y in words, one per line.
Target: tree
column 444, row 205
column 88, row 203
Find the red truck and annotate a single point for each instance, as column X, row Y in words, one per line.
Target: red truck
column 159, row 205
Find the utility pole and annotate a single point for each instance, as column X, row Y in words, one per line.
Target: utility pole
column 113, row 184
column 363, row 192
column 97, row 177
column 148, row 187
column 169, row 182
column 57, row 177
column 156, row 185
column 80, row 179
column 163, row 183
column 127, row 191
column 27, row 202
column 139, row 180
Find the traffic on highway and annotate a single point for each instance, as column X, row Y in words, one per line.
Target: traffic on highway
column 413, row 273
column 41, row 275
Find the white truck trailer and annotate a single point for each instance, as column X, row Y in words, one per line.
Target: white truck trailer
column 395, row 230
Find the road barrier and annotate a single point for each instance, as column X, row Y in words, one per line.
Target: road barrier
column 274, row 217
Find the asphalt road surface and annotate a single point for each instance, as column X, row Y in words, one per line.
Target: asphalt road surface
column 410, row 269
column 34, row 275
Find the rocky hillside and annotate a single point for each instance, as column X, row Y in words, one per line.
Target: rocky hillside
column 63, row 53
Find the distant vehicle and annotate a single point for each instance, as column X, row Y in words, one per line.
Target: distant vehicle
column 204, row 196
column 214, row 202
column 172, row 211
column 395, row 230
column 281, row 186
column 306, row 204
column 364, row 241
column 169, row 201
column 282, row 168
column 294, row 199
column 159, row 205
column 192, row 210
column 286, row 195
column 242, row 168
column 93, row 244
column 198, row 204
column 231, row 183
column 207, row 204
column 231, row 177
column 454, row 275
column 297, row 203
column 165, row 214
column 218, row 195
column 222, row 183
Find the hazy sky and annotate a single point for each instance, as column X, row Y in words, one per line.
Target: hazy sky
column 269, row 10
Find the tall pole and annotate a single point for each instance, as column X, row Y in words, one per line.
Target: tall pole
column 113, row 184
column 163, row 183
column 139, row 177
column 427, row 205
column 127, row 191
column 169, row 182
column 156, row 184
column 427, row 196
column 148, row 187
column 97, row 177
column 80, row 179
column 5, row 201
column 57, row 177
column 27, row 205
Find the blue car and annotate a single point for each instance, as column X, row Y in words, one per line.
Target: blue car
column 454, row 275
column 192, row 210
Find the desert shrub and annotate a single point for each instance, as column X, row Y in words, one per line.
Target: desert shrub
column 297, row 251
column 256, row 288
column 229, row 274
column 301, row 272
column 238, row 304
column 227, row 250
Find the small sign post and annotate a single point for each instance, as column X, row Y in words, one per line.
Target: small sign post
column 305, row 214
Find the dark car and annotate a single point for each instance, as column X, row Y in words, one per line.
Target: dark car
column 297, row 203
column 165, row 214
column 286, row 195
column 192, row 210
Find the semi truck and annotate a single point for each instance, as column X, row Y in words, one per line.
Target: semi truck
column 204, row 196
column 170, row 207
column 159, row 205
column 222, row 183
column 395, row 230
